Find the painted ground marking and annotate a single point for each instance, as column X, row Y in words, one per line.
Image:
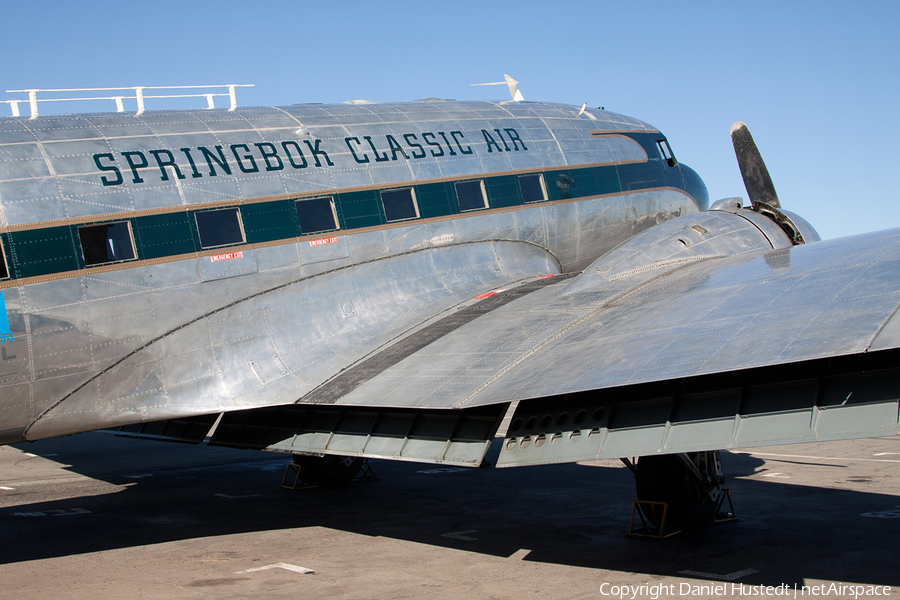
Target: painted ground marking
column 285, row 566
column 728, row 577
column 461, row 535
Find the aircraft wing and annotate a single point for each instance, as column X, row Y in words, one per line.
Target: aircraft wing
column 778, row 346
column 682, row 354
column 571, row 334
column 706, row 330
column 681, row 339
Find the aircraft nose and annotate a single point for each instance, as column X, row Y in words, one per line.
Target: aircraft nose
column 694, row 186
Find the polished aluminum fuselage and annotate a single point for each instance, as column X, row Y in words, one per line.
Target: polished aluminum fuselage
column 183, row 330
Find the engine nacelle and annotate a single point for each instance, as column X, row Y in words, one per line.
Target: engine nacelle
column 796, row 227
column 727, row 229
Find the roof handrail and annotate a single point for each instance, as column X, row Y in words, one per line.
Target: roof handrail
column 139, row 96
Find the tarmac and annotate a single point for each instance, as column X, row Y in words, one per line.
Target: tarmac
column 94, row 516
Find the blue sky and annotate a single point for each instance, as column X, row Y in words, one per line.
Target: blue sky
column 816, row 82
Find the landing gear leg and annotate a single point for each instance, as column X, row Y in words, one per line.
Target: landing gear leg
column 690, row 484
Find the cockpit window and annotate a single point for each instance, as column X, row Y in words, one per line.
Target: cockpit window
column 471, row 195
column 533, row 188
column 219, row 227
column 106, row 243
column 316, row 214
column 665, row 152
column 399, row 205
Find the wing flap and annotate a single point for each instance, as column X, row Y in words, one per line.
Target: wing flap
column 453, row 437
column 824, row 399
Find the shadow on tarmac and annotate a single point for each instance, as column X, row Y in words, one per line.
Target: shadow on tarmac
column 568, row 514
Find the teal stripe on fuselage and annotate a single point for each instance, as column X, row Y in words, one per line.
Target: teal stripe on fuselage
column 56, row 249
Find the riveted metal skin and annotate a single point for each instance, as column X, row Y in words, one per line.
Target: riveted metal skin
column 58, row 168
column 655, row 309
column 589, row 268
column 184, row 330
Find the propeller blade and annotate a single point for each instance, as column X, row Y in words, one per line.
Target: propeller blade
column 760, row 188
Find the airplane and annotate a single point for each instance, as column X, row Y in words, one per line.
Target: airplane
column 389, row 280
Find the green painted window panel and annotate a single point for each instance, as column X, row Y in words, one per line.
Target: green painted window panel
column 164, row 235
column 562, row 185
column 640, row 176
column 580, row 183
column 503, row 191
column 269, row 221
column 434, row 200
column 45, row 251
column 607, row 180
column 360, row 209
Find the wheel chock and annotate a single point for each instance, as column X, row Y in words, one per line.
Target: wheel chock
column 298, row 483
column 724, row 516
column 647, row 530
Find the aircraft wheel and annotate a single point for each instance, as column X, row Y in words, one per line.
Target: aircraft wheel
column 329, row 471
column 691, row 501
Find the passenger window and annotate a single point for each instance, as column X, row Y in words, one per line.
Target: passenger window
column 4, row 271
column 533, row 188
column 471, row 195
column 316, row 214
column 665, row 152
column 399, row 205
column 219, row 227
column 106, row 243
